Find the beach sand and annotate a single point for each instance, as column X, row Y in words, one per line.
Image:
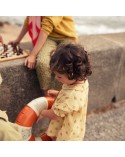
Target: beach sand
column 10, row 33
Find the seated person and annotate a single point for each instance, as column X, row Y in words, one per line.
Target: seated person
column 8, row 131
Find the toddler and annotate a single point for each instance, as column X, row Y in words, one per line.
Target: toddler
column 71, row 66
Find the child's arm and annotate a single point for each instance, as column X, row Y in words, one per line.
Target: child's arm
column 47, row 113
column 52, row 92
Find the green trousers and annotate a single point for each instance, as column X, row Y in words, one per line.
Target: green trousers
column 46, row 80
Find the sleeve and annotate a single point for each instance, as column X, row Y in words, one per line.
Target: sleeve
column 65, row 104
column 49, row 22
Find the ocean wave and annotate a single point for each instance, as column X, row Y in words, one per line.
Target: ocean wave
column 84, row 24
column 102, row 29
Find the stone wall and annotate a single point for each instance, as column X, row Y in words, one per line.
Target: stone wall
column 107, row 54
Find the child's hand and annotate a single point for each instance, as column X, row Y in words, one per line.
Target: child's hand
column 47, row 114
column 52, row 93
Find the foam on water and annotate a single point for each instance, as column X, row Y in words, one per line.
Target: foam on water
column 85, row 24
column 102, row 29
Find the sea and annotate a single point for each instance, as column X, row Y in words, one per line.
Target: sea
column 84, row 24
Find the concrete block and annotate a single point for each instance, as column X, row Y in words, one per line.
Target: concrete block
column 108, row 70
column 19, row 87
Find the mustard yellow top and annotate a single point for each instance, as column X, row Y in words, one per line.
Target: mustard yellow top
column 71, row 107
column 59, row 27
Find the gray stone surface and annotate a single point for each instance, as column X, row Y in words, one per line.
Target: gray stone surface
column 107, row 54
column 19, row 87
column 119, row 39
column 108, row 126
column 100, row 126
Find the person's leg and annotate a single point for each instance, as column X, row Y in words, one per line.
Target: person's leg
column 42, row 66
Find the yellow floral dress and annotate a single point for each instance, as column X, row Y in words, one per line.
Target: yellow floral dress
column 71, row 107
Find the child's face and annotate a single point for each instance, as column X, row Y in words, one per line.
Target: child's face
column 63, row 78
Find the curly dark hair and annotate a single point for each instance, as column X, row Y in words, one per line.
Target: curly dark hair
column 71, row 59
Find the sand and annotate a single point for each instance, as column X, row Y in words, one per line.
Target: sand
column 10, row 33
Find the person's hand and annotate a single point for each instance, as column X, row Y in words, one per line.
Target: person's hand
column 14, row 42
column 1, row 39
column 52, row 92
column 30, row 61
column 47, row 113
